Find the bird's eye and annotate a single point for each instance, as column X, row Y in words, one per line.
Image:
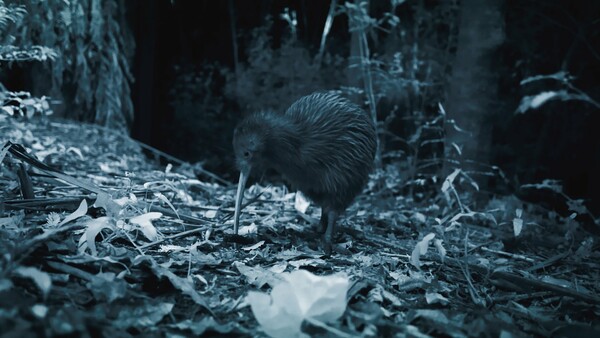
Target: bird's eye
column 246, row 154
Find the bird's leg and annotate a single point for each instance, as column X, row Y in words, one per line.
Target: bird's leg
column 323, row 223
column 332, row 216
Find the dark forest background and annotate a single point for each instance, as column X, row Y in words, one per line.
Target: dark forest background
column 507, row 90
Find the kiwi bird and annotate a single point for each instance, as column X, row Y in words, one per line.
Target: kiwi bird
column 324, row 145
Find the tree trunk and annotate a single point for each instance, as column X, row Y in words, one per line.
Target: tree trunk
column 472, row 93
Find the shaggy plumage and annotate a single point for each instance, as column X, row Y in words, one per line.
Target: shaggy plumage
column 324, row 145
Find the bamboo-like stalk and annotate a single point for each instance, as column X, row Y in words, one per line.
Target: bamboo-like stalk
column 363, row 45
column 326, row 29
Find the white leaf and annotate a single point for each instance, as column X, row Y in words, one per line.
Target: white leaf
column 301, row 203
column 105, row 202
column 88, row 239
column 457, row 148
column 254, row 247
column 9, row 110
column 420, row 249
column 440, row 248
column 39, row 310
column 210, row 214
column 541, row 98
column 144, row 221
column 81, row 211
column 301, row 296
column 164, row 198
column 434, row 298
column 77, row 151
column 449, row 180
column 517, row 226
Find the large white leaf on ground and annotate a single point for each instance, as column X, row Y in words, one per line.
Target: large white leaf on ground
column 302, row 295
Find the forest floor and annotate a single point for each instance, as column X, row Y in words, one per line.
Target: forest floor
column 97, row 240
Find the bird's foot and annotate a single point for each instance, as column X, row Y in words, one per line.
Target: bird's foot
column 327, row 246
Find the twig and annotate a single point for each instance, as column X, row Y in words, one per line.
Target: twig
column 465, row 269
column 46, row 202
column 508, row 254
column 181, row 234
column 169, row 212
column 133, row 243
column 20, row 152
column 71, row 270
column 516, row 282
column 548, row 262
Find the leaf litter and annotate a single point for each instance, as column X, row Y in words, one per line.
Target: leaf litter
column 113, row 243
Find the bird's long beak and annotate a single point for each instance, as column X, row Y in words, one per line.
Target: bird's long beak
column 244, row 173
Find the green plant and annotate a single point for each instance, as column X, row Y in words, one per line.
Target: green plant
column 569, row 92
column 403, row 64
column 20, row 103
column 91, row 74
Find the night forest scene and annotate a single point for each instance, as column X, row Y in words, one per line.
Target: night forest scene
column 299, row 168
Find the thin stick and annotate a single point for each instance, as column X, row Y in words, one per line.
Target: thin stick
column 326, row 30
column 181, row 234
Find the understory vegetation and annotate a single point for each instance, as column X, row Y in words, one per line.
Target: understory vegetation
column 461, row 231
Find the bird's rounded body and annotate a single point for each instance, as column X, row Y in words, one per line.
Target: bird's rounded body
column 324, row 145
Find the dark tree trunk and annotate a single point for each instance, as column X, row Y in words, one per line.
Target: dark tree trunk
column 473, row 88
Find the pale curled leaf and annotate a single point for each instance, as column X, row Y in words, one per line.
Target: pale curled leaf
column 81, row 211
column 450, row 180
column 553, row 185
column 93, row 228
column 538, row 100
column 423, row 244
column 435, row 298
column 253, row 247
column 248, row 229
column 144, row 221
column 457, row 148
column 39, row 310
column 165, row 200
column 420, row 249
column 77, row 151
column 440, row 248
column 517, row 226
column 210, row 213
column 301, row 204
column 105, row 202
column 519, row 212
column 561, row 76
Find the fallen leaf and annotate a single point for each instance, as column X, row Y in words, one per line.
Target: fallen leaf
column 144, row 221
column 301, row 296
column 40, row 278
column 81, row 211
